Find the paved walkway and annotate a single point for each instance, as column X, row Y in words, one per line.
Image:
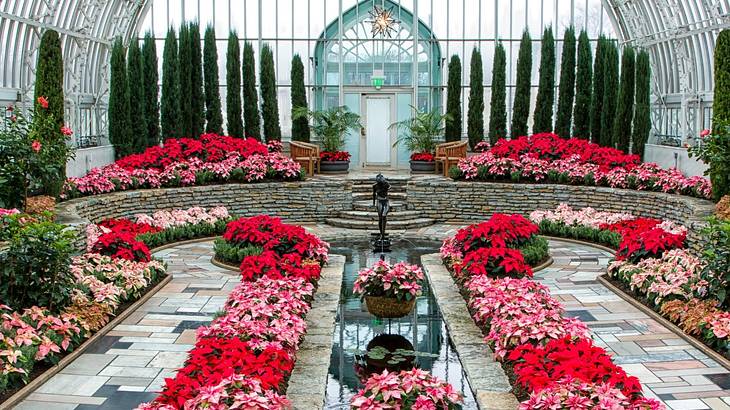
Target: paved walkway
column 125, row 367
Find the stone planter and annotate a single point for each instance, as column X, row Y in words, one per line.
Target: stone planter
column 423, row 167
column 334, row 167
column 389, row 308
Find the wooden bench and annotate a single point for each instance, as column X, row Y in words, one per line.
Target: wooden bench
column 448, row 154
column 305, row 154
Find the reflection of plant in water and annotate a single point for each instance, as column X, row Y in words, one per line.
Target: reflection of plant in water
column 394, row 357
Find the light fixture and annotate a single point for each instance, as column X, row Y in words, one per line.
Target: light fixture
column 383, row 23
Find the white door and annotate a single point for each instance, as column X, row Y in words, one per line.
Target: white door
column 377, row 135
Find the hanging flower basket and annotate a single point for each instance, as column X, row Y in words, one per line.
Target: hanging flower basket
column 389, row 291
column 388, row 308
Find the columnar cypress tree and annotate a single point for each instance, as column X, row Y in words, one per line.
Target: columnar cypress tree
column 197, row 98
column 185, row 71
column 49, row 76
column 213, row 114
column 453, row 100
column 543, row 118
column 135, row 89
column 119, row 131
column 233, row 81
column 567, row 85
column 625, row 107
column 721, row 99
column 151, row 91
column 250, row 97
column 642, row 109
column 583, row 89
column 170, row 100
column 498, row 106
column 269, row 100
column 610, row 94
column 475, row 121
column 599, row 68
column 521, row 105
column 300, row 126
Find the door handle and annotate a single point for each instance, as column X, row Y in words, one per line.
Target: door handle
column 362, row 131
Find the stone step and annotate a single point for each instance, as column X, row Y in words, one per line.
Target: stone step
column 373, row 225
column 365, row 196
column 395, row 206
column 373, row 216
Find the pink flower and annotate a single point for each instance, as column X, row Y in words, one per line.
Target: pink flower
column 43, row 102
column 704, row 133
column 66, row 131
column 36, row 146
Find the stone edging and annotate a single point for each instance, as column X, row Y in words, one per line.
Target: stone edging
column 308, row 382
column 603, row 280
column 488, row 381
column 579, row 242
column 29, row 388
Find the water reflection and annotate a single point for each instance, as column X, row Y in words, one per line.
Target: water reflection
column 423, row 328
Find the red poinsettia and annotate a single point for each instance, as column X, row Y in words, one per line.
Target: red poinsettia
column 335, row 156
column 122, row 245
column 125, row 225
column 498, row 261
column 646, row 238
column 500, row 230
column 423, row 156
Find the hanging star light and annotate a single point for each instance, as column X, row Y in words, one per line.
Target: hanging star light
column 383, row 22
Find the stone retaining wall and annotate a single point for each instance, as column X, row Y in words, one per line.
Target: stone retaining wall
column 296, row 202
column 467, row 202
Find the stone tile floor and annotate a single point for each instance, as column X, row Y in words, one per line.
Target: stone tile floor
column 128, row 365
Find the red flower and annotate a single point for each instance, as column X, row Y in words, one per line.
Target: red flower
column 66, row 131
column 496, row 262
column 36, row 146
column 704, row 133
column 122, row 245
column 335, row 156
column 43, row 102
column 422, row 156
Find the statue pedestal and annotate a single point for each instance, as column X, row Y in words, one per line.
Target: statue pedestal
column 380, row 245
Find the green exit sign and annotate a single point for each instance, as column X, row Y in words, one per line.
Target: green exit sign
column 378, row 81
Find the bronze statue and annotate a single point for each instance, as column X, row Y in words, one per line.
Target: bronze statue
column 381, row 203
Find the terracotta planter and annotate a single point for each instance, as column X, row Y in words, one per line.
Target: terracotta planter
column 389, row 308
column 334, row 167
column 423, row 167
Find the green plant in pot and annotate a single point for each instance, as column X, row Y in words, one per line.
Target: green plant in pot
column 420, row 134
column 331, row 127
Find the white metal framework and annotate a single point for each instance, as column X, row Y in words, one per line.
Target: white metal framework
column 679, row 34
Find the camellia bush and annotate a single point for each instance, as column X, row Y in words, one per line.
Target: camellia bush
column 187, row 162
column 714, row 150
column 546, row 158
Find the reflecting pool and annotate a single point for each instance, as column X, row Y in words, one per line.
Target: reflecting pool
column 355, row 328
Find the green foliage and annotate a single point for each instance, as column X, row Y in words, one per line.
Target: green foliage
column 420, row 132
column 475, row 118
column 197, row 99
column 119, row 119
column 36, row 267
column 498, row 106
column 300, row 126
column 566, row 91
column 583, row 89
column 716, row 256
column 599, row 69
column 625, row 108
column 23, row 169
column 543, row 117
column 250, row 97
column 170, row 100
column 535, row 250
column 183, row 233
column 714, row 150
column 184, row 73
column 213, row 114
column 330, row 125
column 642, row 108
column 232, row 253
column 580, row 232
column 49, row 76
column 521, row 106
column 135, row 88
column 453, row 100
column 151, row 91
column 721, row 100
column 610, row 94
column 269, row 100
column 233, row 80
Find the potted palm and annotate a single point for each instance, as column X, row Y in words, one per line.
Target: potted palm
column 420, row 135
column 330, row 126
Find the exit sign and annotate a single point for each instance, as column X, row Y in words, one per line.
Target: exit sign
column 377, row 79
